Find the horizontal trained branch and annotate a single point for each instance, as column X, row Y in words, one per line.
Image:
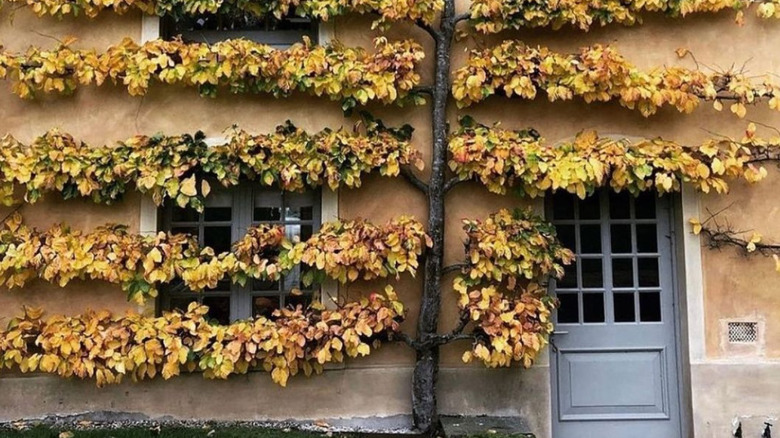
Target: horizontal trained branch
column 599, row 74
column 493, row 16
column 388, row 10
column 343, row 250
column 182, row 168
column 720, row 235
column 241, row 66
column 108, row 348
column 502, row 159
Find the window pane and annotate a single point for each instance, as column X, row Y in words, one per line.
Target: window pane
column 299, row 206
column 590, row 207
column 303, row 232
column 265, row 285
column 563, row 206
column 592, row 273
column 590, row 239
column 569, row 311
column 222, row 286
column 650, row 306
column 569, row 280
column 184, row 215
column 218, row 238
column 646, row 238
column 645, row 205
column 267, row 205
column 566, row 236
column 192, row 231
column 218, row 214
column 648, row 272
column 294, row 301
column 624, row 307
column 622, row 273
column 219, row 308
column 593, row 307
column 620, row 236
column 620, row 205
column 182, row 303
column 264, row 306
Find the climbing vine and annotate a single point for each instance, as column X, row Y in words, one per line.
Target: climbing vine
column 179, row 168
column 240, row 66
column 510, row 257
column 600, row 74
column 389, row 10
column 343, row 250
column 108, row 348
column 492, row 16
column 501, row 158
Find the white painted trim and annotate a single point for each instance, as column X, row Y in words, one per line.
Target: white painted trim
column 150, row 28
column 694, row 278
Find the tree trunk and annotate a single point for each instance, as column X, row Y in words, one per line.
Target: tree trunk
column 427, row 367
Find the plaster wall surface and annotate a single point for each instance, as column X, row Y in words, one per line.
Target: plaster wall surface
column 734, row 286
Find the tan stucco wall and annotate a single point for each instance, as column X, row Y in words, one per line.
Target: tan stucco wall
column 733, row 287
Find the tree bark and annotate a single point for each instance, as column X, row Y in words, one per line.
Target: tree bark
column 427, row 367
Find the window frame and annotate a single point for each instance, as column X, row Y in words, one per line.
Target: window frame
column 278, row 39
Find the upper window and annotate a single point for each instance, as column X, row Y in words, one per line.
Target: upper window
column 226, row 216
column 279, row 33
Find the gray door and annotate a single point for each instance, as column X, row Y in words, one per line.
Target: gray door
column 614, row 354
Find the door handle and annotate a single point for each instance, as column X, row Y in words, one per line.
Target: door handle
column 560, row 333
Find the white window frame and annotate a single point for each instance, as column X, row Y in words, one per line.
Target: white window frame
column 150, row 30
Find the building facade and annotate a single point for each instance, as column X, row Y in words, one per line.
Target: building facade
column 658, row 335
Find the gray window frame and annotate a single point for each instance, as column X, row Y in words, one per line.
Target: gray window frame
column 242, row 204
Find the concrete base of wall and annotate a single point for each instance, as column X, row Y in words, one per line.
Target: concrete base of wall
column 725, row 391
column 337, row 394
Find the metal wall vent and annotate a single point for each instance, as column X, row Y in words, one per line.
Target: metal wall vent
column 743, row 332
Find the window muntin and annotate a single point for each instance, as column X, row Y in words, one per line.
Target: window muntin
column 211, row 28
column 615, row 278
column 227, row 214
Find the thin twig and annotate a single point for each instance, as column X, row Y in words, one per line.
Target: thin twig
column 454, row 181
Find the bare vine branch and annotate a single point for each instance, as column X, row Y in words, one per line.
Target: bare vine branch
column 452, row 183
column 721, row 233
column 414, row 179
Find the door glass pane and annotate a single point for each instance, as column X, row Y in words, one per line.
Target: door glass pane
column 222, row 286
column 624, row 307
column 650, row 306
column 590, row 207
column 566, row 236
column 265, row 285
column 620, row 236
column 569, row 280
column 569, row 310
column 645, row 205
column 620, row 205
column 648, row 272
column 590, row 239
column 294, row 301
column 264, row 306
column 219, row 308
column 592, row 273
column 192, row 231
column 622, row 273
column 563, row 206
column 218, row 238
column 646, row 238
column 593, row 307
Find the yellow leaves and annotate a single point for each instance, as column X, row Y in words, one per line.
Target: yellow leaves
column 754, row 239
column 534, row 167
column 696, row 226
column 599, row 74
column 239, row 65
column 105, row 348
column 166, row 167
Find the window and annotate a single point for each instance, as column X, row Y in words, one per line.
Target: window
column 280, row 34
column 226, row 216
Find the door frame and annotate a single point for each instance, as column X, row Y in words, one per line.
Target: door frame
column 676, row 228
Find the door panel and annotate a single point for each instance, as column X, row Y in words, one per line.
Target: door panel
column 614, row 354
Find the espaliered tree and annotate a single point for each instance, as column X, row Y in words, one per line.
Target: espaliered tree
column 503, row 306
